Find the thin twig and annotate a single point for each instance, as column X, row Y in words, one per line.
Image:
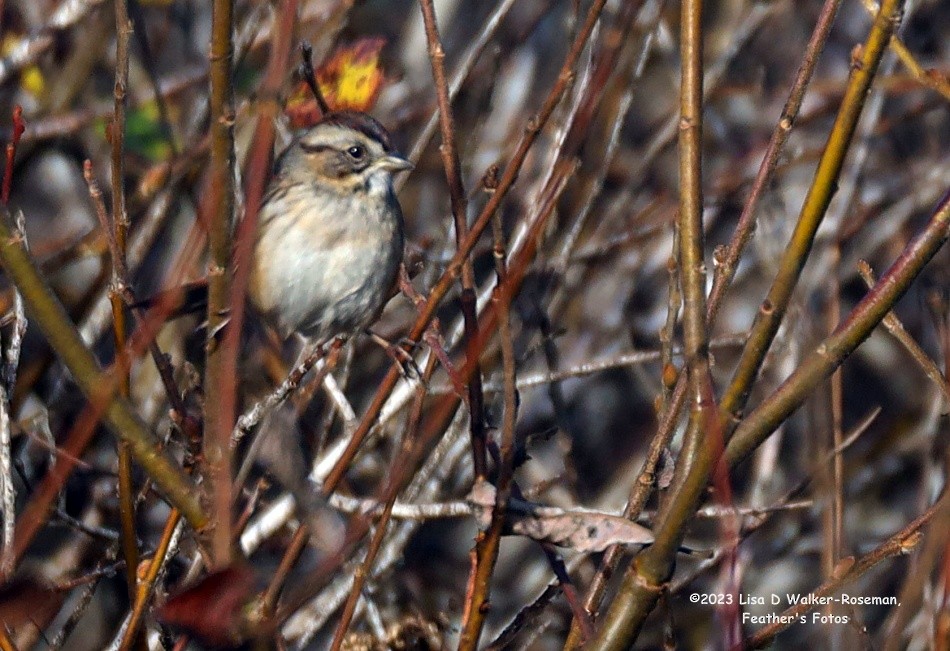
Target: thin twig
column 275, row 398
column 10, row 363
column 459, row 203
column 7, row 488
column 310, row 76
column 388, row 499
column 465, row 66
column 935, row 82
column 159, row 561
column 901, row 543
column 487, row 542
column 897, row 330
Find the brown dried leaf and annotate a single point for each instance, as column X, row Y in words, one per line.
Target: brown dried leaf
column 27, row 604
column 212, row 609
column 578, row 529
column 584, row 531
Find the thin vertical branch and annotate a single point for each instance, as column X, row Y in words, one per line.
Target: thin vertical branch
column 257, row 176
column 10, row 364
column 837, row 421
column 120, row 226
column 488, row 541
column 465, row 66
column 18, row 128
column 692, row 265
column 156, row 564
column 453, row 176
column 219, row 415
column 704, row 435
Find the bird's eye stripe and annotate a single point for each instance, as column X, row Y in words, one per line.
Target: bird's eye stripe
column 313, row 149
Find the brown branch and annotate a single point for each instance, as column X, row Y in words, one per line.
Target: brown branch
column 118, row 235
column 453, row 270
column 388, row 500
column 901, row 543
column 897, row 330
column 453, row 176
column 643, row 582
column 145, row 590
column 218, row 384
column 487, row 542
column 310, row 76
column 18, row 128
column 98, row 387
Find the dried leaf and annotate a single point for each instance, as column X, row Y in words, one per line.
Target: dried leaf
column 350, row 81
column 212, row 609
column 582, row 531
column 28, row 604
column 578, row 529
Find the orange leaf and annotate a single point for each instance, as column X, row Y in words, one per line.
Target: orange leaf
column 350, row 80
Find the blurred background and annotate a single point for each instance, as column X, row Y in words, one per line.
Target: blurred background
column 595, row 321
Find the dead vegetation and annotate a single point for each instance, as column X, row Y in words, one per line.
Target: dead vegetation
column 640, row 285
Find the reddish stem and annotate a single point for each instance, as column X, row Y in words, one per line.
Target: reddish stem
column 18, row 127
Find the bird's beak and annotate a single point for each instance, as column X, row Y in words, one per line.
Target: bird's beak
column 393, row 163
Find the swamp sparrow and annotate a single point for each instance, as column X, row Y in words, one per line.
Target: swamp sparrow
column 326, row 254
column 329, row 237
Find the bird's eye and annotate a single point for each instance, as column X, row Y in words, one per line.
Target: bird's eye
column 356, row 152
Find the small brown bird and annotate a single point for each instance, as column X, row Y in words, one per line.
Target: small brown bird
column 329, row 237
column 330, row 232
column 327, row 251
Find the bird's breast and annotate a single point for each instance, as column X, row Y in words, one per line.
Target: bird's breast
column 324, row 265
